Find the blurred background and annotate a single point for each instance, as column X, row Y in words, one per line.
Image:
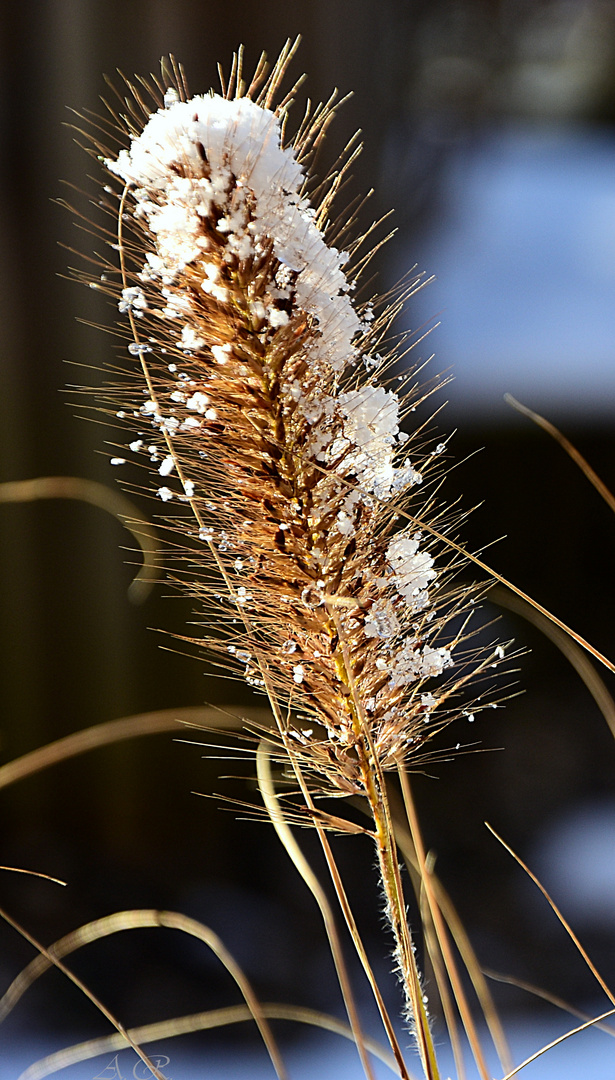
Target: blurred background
column 489, row 127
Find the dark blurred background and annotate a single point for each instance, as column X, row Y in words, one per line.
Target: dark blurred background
column 488, row 126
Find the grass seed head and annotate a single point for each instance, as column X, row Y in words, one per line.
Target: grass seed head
column 260, row 409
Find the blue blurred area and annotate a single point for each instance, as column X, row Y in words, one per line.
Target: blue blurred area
column 573, row 855
column 588, row 1054
column 524, row 252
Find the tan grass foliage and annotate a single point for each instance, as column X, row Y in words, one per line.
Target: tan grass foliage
column 301, row 510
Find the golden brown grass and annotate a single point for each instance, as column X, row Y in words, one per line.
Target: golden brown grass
column 303, row 516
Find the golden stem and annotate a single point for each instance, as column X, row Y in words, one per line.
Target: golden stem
column 440, row 928
column 396, row 913
column 375, row 791
column 267, row 790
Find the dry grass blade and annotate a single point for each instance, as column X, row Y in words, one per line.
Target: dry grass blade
column 556, row 1042
column 566, row 445
column 202, row 1021
column 139, row 919
column 580, row 662
column 460, row 937
column 33, row 873
column 113, row 731
column 267, row 790
column 440, row 928
column 436, row 958
column 571, row 934
column 90, row 491
column 477, row 979
column 553, row 999
column 339, row 891
column 273, row 804
column 55, row 962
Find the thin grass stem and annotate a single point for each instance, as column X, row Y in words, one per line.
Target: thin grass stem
column 440, row 928
column 571, row 934
column 125, row 1035
column 375, row 793
column 267, row 790
column 201, row 1021
column 346, row 911
column 556, row 1042
column 138, row 919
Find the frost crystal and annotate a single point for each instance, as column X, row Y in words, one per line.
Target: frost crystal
column 382, row 621
column 411, row 663
column 198, row 402
column 190, row 339
column 167, row 466
column 370, row 425
column 243, row 141
column 133, row 299
column 412, row 569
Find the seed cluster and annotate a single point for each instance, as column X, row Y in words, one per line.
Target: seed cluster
column 263, row 411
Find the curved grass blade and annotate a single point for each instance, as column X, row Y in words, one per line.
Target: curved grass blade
column 202, row 1021
column 139, row 919
column 113, row 502
column 113, row 731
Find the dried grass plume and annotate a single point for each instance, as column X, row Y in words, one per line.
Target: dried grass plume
column 259, row 397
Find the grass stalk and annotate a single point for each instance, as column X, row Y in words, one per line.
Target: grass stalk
column 267, row 790
column 440, row 928
column 374, row 787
